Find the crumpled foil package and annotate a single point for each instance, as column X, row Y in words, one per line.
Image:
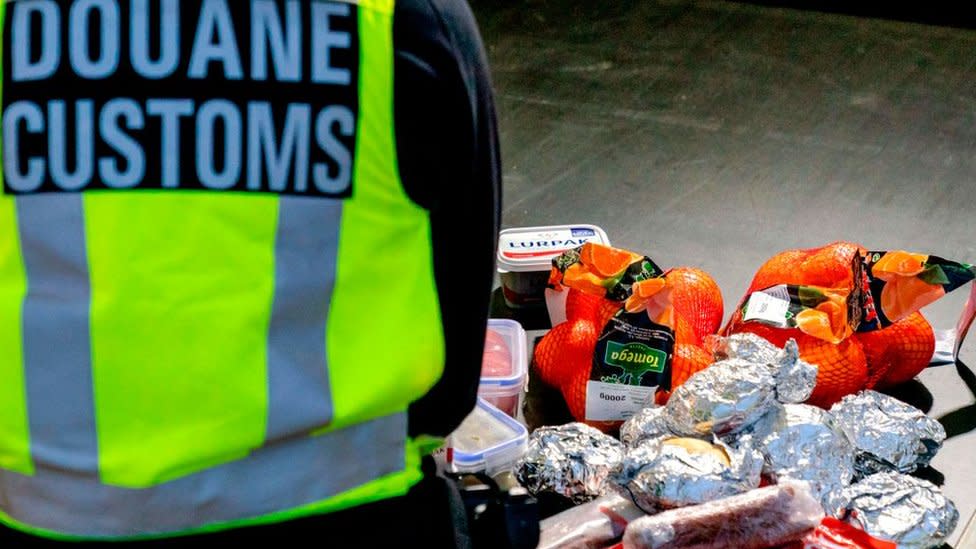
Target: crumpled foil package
column 887, row 434
column 572, row 460
column 741, row 423
column 795, row 378
column 647, row 423
column 723, row 399
column 906, row 510
column 804, row 442
column 751, row 376
column 672, row 471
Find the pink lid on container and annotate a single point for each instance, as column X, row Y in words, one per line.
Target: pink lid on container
column 532, row 248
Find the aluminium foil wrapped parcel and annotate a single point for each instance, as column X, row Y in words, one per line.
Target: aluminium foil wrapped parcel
column 572, row 460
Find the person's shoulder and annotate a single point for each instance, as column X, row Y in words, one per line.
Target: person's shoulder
column 450, row 19
column 450, row 11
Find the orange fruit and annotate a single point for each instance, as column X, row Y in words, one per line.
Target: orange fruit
column 910, row 344
column 828, row 266
column 815, row 323
column 580, row 304
column 643, row 290
column 607, row 309
column 905, row 295
column 777, row 270
column 899, row 352
column 898, row 263
column 565, row 349
column 876, row 346
column 841, row 368
column 828, row 320
column 697, row 297
column 606, row 261
column 687, row 360
column 578, row 276
column 684, row 332
column 574, row 393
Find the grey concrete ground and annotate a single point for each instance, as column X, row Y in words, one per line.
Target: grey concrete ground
column 715, row 134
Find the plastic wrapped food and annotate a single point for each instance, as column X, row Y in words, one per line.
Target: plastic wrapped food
column 572, row 460
column 887, row 433
column 591, row 525
column 757, row 519
column 803, row 442
column 678, row 471
column 909, row 511
column 487, row 440
column 504, row 366
column 497, row 358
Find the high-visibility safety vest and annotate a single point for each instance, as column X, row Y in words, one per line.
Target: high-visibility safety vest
column 216, row 300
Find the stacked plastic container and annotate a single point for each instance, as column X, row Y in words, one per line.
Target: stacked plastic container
column 488, row 440
column 504, row 389
column 492, row 437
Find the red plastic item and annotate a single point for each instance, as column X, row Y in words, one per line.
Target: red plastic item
column 837, row 534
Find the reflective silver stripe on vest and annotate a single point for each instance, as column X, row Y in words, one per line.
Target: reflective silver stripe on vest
column 306, row 246
column 65, row 494
column 282, row 476
column 57, row 348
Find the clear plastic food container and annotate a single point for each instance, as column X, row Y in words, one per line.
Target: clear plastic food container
column 504, row 374
column 488, row 440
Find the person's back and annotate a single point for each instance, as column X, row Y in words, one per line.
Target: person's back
column 226, row 279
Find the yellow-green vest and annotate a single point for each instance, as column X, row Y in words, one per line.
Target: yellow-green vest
column 175, row 361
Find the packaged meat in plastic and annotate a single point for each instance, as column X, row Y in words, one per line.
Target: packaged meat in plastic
column 887, row 433
column 591, row 525
column 758, row 519
column 907, row 510
column 504, row 365
column 572, row 460
column 678, row 471
column 497, row 358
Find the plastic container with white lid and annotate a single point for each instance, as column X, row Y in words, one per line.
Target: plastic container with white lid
column 525, row 258
column 488, row 440
column 505, row 391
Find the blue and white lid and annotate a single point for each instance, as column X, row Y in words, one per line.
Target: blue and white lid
column 487, row 440
column 523, row 249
